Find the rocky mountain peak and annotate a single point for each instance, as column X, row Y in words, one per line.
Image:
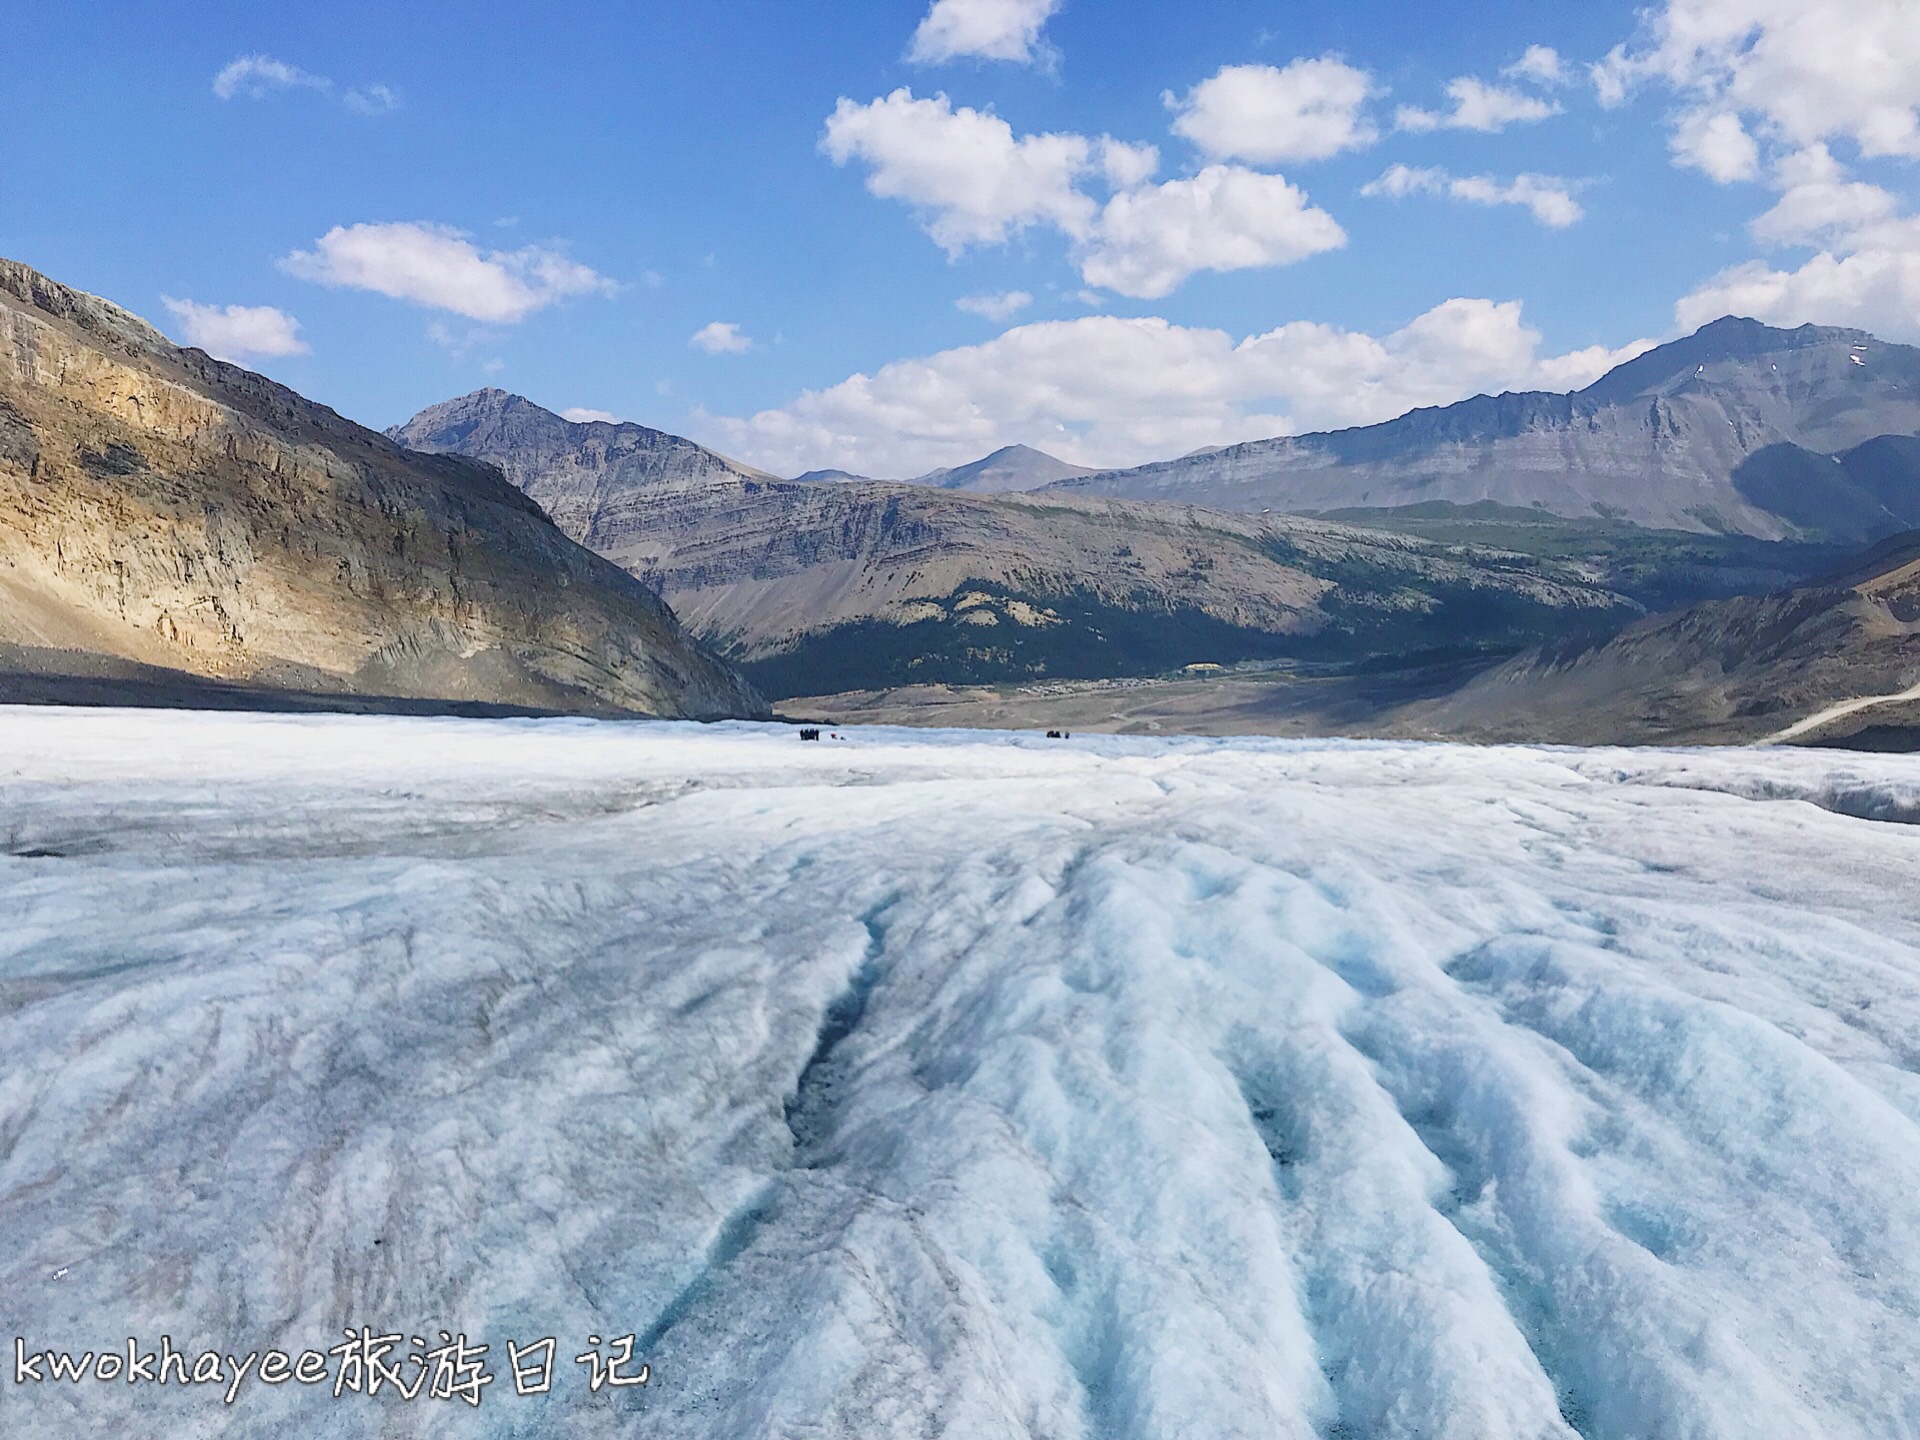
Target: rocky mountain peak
column 1010, row 468
column 98, row 318
column 587, row 477
column 1729, row 349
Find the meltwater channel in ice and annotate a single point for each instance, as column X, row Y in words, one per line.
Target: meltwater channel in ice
column 958, row 1084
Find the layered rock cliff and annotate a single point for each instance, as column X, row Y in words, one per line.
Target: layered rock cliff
column 161, row 507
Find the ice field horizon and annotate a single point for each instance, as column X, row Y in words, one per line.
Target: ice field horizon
column 960, row 1084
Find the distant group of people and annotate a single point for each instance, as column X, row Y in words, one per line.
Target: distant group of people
column 811, row 732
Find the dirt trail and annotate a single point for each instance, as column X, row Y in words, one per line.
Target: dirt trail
column 1835, row 712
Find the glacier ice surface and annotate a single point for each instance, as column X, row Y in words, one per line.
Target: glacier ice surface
column 963, row 1085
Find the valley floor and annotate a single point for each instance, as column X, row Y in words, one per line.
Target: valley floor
column 959, row 1084
column 1288, row 701
column 1308, row 702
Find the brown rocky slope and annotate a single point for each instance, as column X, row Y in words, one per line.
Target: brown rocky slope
column 164, row 513
column 1728, row 671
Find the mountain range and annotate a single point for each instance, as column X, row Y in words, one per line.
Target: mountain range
column 178, row 529
column 813, row 588
column 1737, row 429
column 1630, row 561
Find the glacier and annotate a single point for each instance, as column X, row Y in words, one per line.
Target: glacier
column 964, row 1085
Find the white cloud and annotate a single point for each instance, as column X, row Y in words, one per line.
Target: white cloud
column 1876, row 288
column 237, row 332
column 373, row 100
column 1311, row 110
column 1548, row 197
column 1102, row 390
column 1716, row 144
column 254, row 77
column 1578, row 369
column 721, row 338
column 460, row 346
column 1126, row 166
column 1614, row 77
column 1867, row 271
column 983, row 29
column 1819, row 205
column 1541, row 65
column 439, row 267
column 1803, row 72
column 978, row 183
column 995, row 307
column 1477, row 106
column 1225, row 218
column 581, row 416
column 965, row 167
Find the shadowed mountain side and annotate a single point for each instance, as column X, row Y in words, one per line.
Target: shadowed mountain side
column 163, row 508
column 1659, row 441
column 1726, row 671
column 1872, row 489
column 31, row 675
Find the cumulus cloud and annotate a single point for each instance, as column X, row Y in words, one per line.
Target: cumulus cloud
column 1866, row 272
column 1102, row 390
column 965, row 168
column 982, row 29
column 1311, row 110
column 1819, row 204
column 1540, row 65
column 721, row 338
column 1799, row 72
column 1225, row 218
column 439, row 267
column 237, row 332
column 254, row 77
column 1716, row 144
column 978, row 183
column 1126, row 166
column 582, row 416
column 1549, row 198
column 1578, row 369
column 1003, row 306
column 1477, row 106
column 1876, row 287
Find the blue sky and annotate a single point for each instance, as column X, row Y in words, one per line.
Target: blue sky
column 892, row 234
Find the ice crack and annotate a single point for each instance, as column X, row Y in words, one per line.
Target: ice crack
column 810, row 1108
